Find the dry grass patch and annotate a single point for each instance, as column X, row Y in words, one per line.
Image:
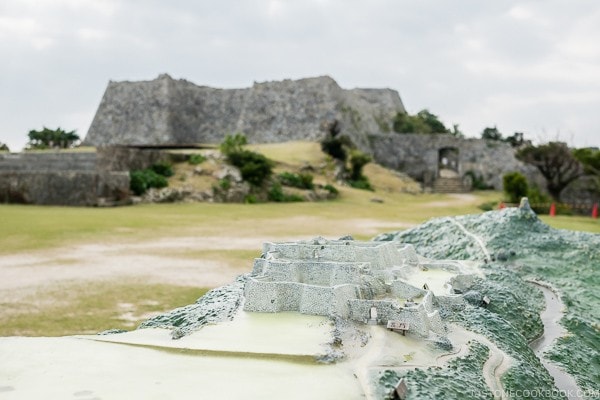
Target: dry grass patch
column 83, row 308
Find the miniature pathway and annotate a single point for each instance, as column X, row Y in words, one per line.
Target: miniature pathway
column 486, row 253
column 494, row 367
column 552, row 331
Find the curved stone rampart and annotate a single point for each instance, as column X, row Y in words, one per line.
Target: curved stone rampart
column 167, row 111
column 360, row 281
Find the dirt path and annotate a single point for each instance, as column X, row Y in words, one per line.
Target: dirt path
column 203, row 260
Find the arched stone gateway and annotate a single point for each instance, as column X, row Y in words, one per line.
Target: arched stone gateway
column 448, row 162
column 448, row 177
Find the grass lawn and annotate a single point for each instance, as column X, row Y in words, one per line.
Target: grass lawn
column 88, row 308
column 83, row 307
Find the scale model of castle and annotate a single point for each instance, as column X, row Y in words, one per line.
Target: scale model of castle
column 360, row 281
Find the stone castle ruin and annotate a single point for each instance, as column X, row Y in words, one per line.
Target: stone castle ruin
column 360, row 281
column 166, row 113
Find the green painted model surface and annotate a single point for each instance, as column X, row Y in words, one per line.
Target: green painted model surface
column 515, row 247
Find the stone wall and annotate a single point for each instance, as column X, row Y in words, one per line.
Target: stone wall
column 168, row 111
column 48, row 161
column 74, row 188
column 59, row 178
column 418, row 156
column 121, row 158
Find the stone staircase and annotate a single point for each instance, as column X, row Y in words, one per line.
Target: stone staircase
column 449, row 185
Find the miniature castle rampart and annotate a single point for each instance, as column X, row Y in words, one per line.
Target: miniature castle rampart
column 342, row 278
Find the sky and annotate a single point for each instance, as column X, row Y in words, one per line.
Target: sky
column 526, row 66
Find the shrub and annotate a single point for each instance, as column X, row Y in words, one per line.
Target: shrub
column 250, row 199
column 144, row 179
column 361, row 183
column 540, row 202
column 488, row 205
column 331, row 189
column 254, row 167
column 233, row 143
column 515, row 186
column 301, row 181
column 277, row 195
column 163, row 168
column 196, row 159
column 225, row 184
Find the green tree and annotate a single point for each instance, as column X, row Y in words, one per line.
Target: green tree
column 491, row 134
column 515, row 186
column 423, row 122
column 4, row 147
column 358, row 160
column 432, row 122
column 556, row 162
column 52, row 138
column 516, row 140
column 590, row 159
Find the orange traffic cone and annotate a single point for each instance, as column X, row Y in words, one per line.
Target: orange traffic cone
column 552, row 210
column 501, row 205
column 595, row 211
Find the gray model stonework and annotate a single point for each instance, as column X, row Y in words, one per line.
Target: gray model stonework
column 359, row 281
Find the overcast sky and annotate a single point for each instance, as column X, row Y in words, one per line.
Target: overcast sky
column 529, row 66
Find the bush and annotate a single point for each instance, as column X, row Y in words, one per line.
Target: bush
column 196, row 159
column 163, row 168
column 225, row 184
column 331, row 189
column 515, row 186
column 361, row 183
column 233, row 144
column 300, row 181
column 254, row 167
column 250, row 199
column 144, row 179
column 277, row 195
column 540, row 202
column 488, row 206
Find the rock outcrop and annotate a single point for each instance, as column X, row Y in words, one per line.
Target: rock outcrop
column 165, row 111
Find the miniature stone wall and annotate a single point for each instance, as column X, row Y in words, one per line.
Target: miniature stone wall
column 403, row 290
column 379, row 255
column 267, row 296
column 327, row 277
